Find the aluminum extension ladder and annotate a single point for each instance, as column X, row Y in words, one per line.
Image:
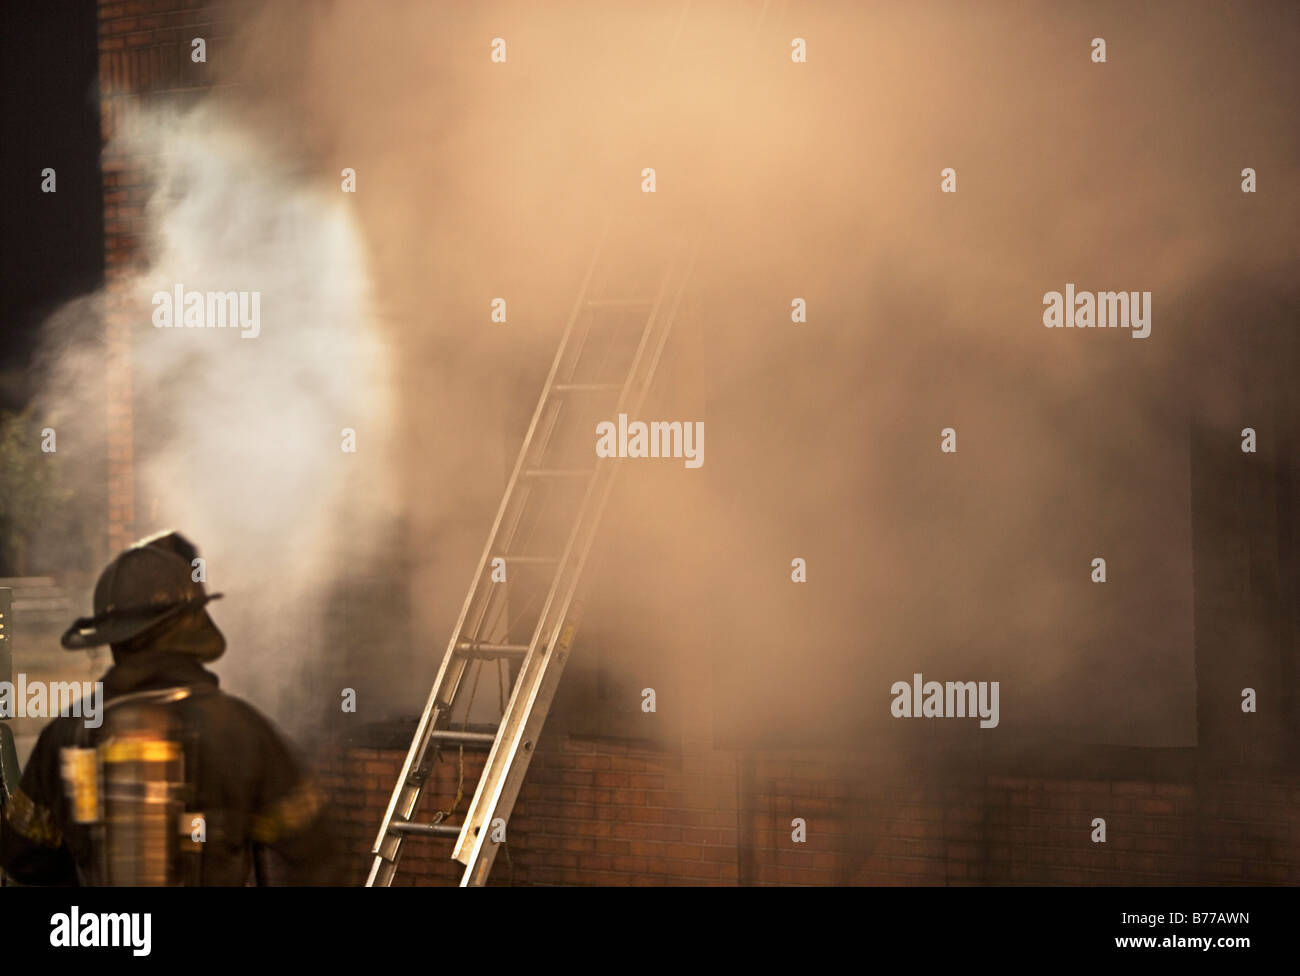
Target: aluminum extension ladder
column 544, row 529
column 552, row 506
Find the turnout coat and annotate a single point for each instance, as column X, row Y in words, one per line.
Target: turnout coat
column 244, row 781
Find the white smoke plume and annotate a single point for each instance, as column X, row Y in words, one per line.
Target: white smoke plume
column 238, row 438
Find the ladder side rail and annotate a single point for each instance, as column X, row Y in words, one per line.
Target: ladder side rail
column 502, row 775
column 406, row 794
column 524, row 449
column 653, row 366
column 491, row 610
column 527, row 671
column 630, row 381
column 477, row 873
column 505, row 781
column 528, row 666
column 415, row 753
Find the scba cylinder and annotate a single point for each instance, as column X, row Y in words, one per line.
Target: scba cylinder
column 143, row 768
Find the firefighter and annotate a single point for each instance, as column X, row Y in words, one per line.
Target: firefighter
column 182, row 783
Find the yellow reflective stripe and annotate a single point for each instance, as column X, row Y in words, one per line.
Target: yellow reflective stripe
column 140, row 750
column 32, row 821
column 289, row 815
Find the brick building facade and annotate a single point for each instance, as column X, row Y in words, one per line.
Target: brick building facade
column 144, row 55
column 600, row 809
column 602, row 812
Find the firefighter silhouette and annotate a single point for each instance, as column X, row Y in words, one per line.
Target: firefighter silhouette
column 182, row 784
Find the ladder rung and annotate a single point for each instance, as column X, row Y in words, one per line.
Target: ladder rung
column 483, row 650
column 464, row 738
column 511, row 745
column 437, row 830
column 587, row 388
column 558, row 472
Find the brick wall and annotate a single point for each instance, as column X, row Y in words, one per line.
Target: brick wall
column 597, row 810
column 144, row 59
column 601, row 812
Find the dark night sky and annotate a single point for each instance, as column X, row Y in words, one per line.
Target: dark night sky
column 52, row 243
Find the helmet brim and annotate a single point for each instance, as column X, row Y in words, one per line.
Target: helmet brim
column 117, row 626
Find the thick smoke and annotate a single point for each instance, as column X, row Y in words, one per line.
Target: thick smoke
column 478, row 180
column 239, row 432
